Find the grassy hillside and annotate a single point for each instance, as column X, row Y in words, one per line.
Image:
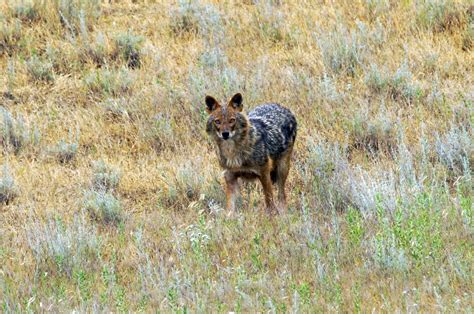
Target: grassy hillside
column 111, row 197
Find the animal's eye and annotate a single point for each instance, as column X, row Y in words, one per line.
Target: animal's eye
column 217, row 121
column 232, row 120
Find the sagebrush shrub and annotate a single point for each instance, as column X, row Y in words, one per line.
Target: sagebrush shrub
column 376, row 135
column 441, row 15
column 399, row 85
column 66, row 152
column 455, row 149
column 15, row 134
column 103, row 206
column 343, row 50
column 110, row 82
column 78, row 15
column 127, row 45
column 26, row 12
column 40, row 70
column 197, row 18
column 105, row 177
column 62, row 248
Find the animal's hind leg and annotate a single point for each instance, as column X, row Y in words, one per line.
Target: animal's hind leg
column 266, row 181
column 282, row 170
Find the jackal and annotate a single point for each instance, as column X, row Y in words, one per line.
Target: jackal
column 255, row 147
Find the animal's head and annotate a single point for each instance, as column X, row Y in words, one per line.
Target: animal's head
column 226, row 121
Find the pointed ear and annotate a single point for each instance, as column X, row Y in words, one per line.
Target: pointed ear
column 211, row 104
column 236, row 102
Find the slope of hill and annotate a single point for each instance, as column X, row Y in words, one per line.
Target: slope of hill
column 112, row 198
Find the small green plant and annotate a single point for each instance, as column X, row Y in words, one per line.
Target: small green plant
column 256, row 252
column 40, row 70
column 355, row 226
column 304, row 291
column 104, row 207
column 84, row 284
column 8, row 188
column 417, row 230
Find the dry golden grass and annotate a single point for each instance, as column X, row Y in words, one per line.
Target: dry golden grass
column 384, row 225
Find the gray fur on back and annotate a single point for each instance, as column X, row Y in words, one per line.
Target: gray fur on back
column 274, row 128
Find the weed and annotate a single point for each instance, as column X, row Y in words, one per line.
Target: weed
column 118, row 108
column 188, row 182
column 198, row 236
column 11, row 75
column 355, row 224
column 386, row 255
column 326, row 165
column 328, row 88
column 376, row 8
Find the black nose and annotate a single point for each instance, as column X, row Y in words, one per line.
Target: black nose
column 225, row 135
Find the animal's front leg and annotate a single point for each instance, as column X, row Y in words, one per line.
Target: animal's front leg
column 232, row 187
column 266, row 181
